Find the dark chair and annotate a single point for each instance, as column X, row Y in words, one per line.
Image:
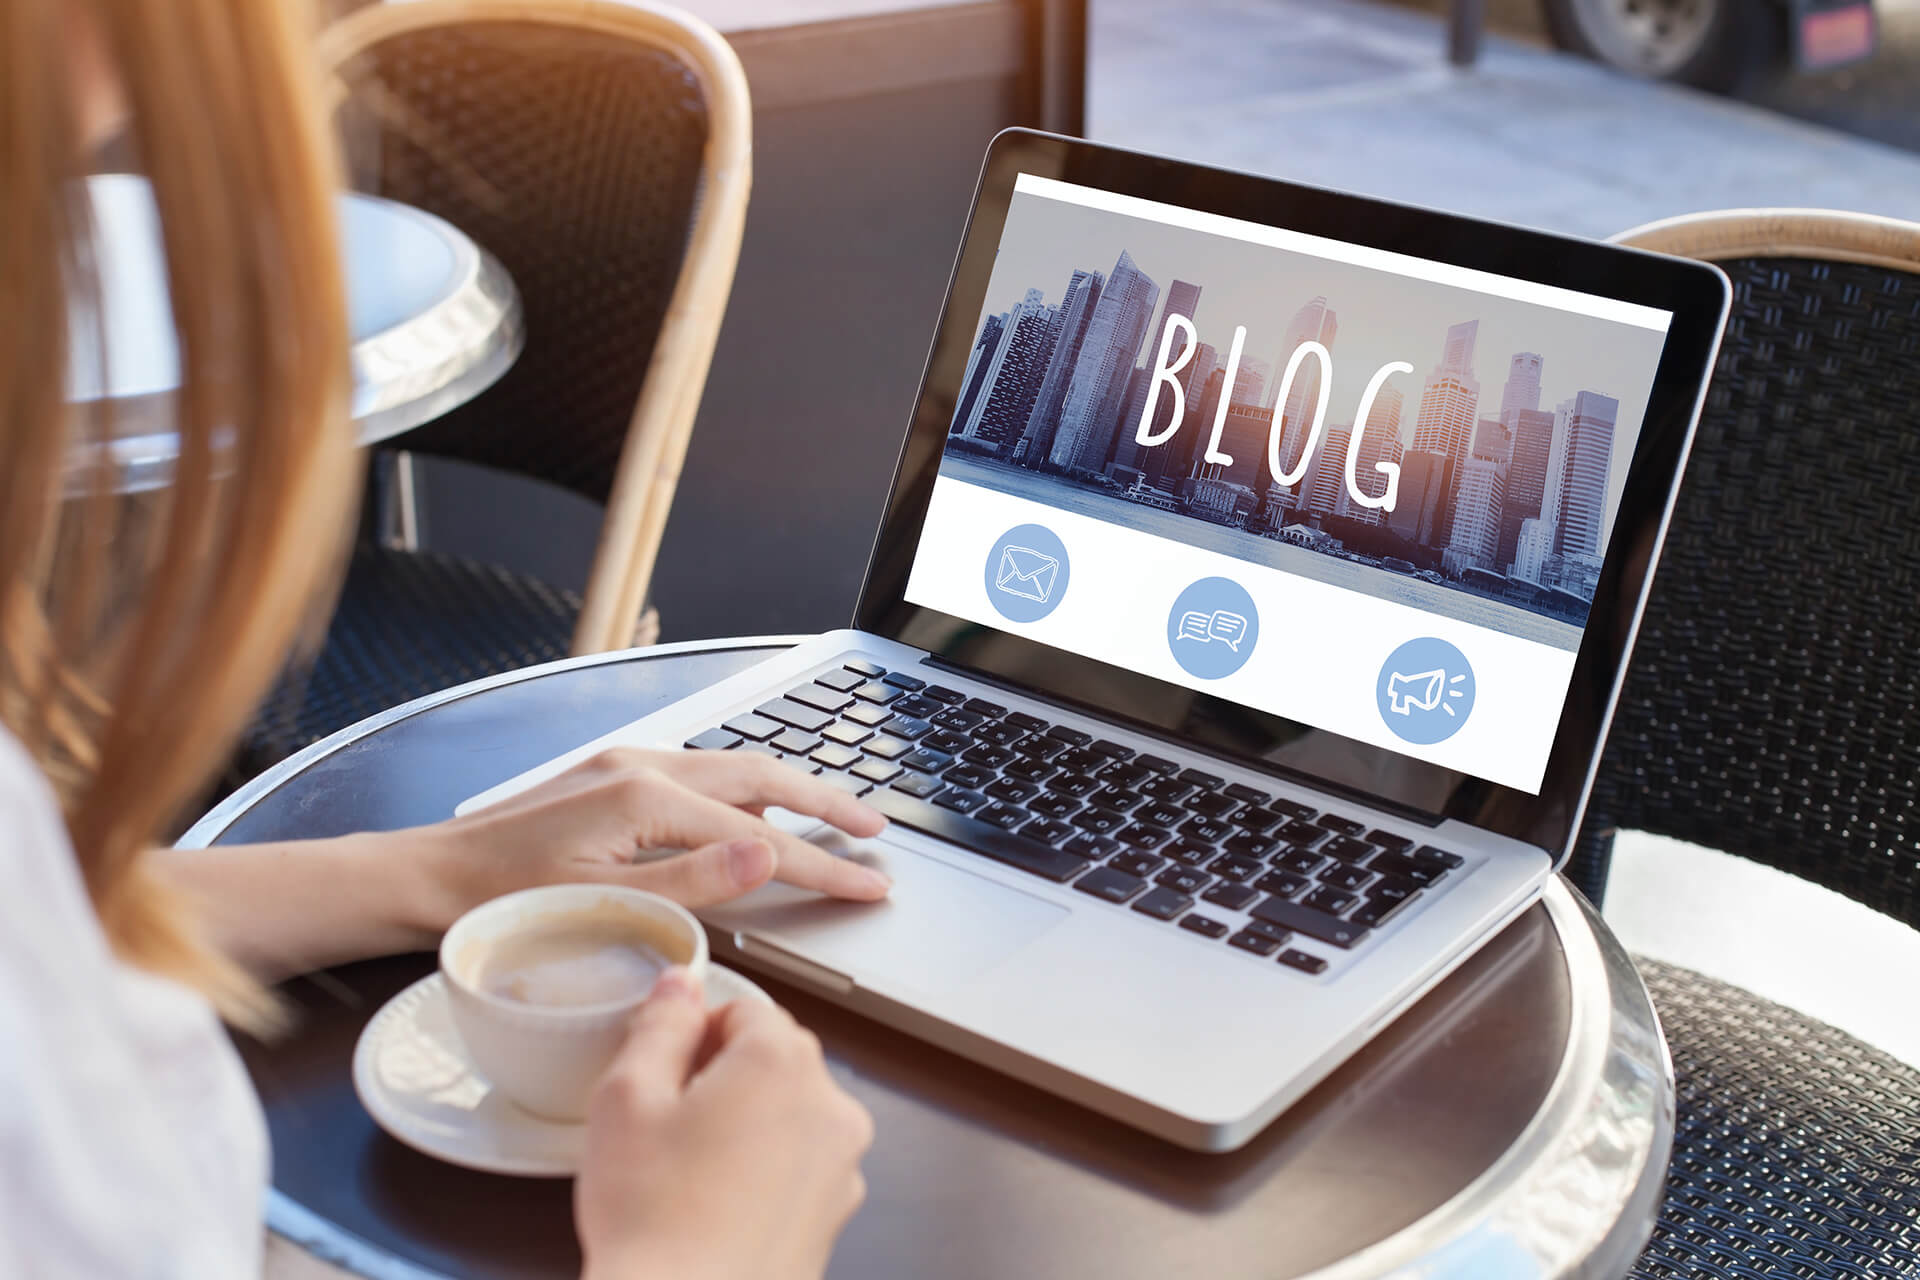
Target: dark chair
column 600, row 151
column 1772, row 710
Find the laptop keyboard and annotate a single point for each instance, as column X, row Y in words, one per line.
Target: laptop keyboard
column 1220, row 859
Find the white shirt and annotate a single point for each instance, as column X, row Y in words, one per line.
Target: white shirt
column 132, row 1146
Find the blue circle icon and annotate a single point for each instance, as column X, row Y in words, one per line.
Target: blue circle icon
column 1425, row 691
column 1213, row 628
column 1027, row 573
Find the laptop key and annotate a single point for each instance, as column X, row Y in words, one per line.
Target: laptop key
column 841, row 681
column 1229, row 895
column 1039, row 746
column 877, row 770
column 946, row 740
column 1110, row 748
column 924, row 760
column 1110, row 885
column 1211, row 830
column 1258, row 943
column 1048, row 831
column 1136, row 863
column 979, row 837
column 1027, row 769
column 940, row 693
column 1069, row 735
column 1269, row 930
column 1013, row 791
column 791, row 713
column 1185, row 879
column 1003, row 815
column 1205, row 926
column 847, row 735
column 1375, row 912
column 917, row 706
column 959, row 799
column 1304, row 861
column 901, row 680
column 1077, row 785
column 759, row 728
column 1260, row 819
column 1201, row 778
column 1248, row 795
column 1249, row 845
column 1116, row 798
column 871, row 670
column 909, row 728
column 1389, row 841
column 1315, row 924
column 1439, row 857
column 999, row 733
column 1161, row 814
column 1393, row 889
column 1231, row 866
column 820, row 698
column 1090, row 846
column 1121, row 774
column 1024, row 722
column 1163, row 904
column 918, row 785
column 968, row 776
column 1330, row 900
column 1301, row 960
column 1339, row 825
column 1282, row 884
column 871, row 716
column 1399, row 864
column 1052, row 805
column 986, row 755
column 1348, row 849
column 1100, row 822
column 1159, row 764
column 1212, row 804
column 847, row 782
column 794, row 742
column 761, row 749
column 835, row 756
column 1189, row 853
column 1292, row 808
column 1146, row 838
column 1172, row 790
column 1342, row 876
column 713, row 740
column 876, row 691
column 981, row 707
column 1302, row 834
column 1081, row 760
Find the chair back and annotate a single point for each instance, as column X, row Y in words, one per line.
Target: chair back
column 601, row 152
column 1772, row 707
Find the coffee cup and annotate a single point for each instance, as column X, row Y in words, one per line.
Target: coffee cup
column 543, row 983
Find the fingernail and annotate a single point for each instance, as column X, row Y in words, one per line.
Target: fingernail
column 746, row 859
column 878, row 879
column 676, row 982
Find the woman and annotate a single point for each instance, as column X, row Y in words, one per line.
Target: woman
column 134, row 642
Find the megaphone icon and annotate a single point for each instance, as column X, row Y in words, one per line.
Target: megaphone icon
column 1422, row 691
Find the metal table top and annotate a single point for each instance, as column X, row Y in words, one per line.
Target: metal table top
column 434, row 318
column 1515, row 1124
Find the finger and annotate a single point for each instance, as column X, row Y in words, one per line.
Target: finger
column 654, row 1064
column 754, row 781
column 716, row 872
column 693, row 819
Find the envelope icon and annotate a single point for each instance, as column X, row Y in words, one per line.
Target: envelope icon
column 1026, row 573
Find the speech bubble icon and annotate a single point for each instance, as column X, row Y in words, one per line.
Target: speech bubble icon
column 1228, row 628
column 1193, row 626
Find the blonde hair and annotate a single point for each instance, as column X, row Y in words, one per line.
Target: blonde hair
column 137, row 634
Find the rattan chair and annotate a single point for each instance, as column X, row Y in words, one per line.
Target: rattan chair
column 601, row 152
column 1772, row 709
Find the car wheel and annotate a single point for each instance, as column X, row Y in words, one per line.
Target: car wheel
column 1724, row 45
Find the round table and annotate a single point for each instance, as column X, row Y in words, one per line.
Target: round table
column 1515, row 1123
column 434, row 320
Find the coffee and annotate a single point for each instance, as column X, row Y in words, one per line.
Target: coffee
column 575, row 959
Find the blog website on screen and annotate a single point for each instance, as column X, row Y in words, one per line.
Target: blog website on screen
column 1360, row 490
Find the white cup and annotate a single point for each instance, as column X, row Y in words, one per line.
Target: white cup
column 546, row 1058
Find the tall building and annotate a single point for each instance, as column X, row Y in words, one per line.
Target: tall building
column 1379, row 442
column 1531, row 547
column 1250, row 383
column 1171, row 462
column 1526, row 483
column 1326, row 483
column 1100, row 376
column 1076, row 309
column 1449, row 404
column 1556, row 464
column 1426, row 480
column 1126, row 446
column 1492, row 440
column 1581, row 527
column 999, row 414
column 1314, row 322
column 1244, row 439
column 1183, row 299
column 1523, row 386
column 976, row 375
column 1476, row 512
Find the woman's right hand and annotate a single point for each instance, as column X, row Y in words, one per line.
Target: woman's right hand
column 718, row 1147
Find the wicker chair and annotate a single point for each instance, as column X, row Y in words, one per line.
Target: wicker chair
column 601, row 152
column 1773, row 709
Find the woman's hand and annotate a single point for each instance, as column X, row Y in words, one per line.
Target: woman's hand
column 718, row 1147
column 593, row 821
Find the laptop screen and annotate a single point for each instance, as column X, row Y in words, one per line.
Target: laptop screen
column 1363, row 491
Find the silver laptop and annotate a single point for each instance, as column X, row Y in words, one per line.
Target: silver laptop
column 1242, row 628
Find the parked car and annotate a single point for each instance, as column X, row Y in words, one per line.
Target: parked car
column 1723, row 45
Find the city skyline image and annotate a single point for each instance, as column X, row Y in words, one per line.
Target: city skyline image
column 1512, row 430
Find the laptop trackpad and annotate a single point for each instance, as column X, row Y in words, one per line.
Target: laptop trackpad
column 939, row 927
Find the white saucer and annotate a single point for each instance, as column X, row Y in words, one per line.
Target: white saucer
column 414, row 1078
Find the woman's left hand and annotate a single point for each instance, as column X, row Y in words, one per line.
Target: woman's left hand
column 608, row 818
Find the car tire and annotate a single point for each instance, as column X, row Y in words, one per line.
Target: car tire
column 1728, row 46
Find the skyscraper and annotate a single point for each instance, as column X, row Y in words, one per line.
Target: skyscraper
column 1449, row 401
column 1076, row 309
column 1167, row 464
column 1251, row 382
column 1581, row 529
column 1531, row 547
column 1183, row 299
column 1312, row 323
column 1326, row 483
column 1492, row 440
column 1244, row 439
column 970, row 384
column 1126, row 443
column 1379, row 442
column 1476, row 518
column 1426, row 479
column 1526, row 484
column 1107, row 357
column 999, row 414
column 1523, row 386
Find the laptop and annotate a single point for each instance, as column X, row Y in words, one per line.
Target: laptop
column 1242, row 628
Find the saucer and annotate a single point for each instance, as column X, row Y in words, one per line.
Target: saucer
column 414, row 1078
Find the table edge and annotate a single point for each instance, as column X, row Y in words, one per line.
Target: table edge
column 1603, row 1135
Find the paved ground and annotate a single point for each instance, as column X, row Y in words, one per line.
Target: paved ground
column 1358, row 95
